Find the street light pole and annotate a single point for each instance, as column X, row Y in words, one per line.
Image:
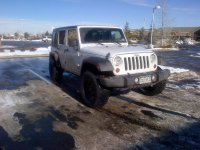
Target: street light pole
column 152, row 24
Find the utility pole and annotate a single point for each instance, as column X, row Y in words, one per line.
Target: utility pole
column 162, row 32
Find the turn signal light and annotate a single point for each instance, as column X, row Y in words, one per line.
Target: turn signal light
column 117, row 70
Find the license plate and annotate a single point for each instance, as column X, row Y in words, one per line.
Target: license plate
column 144, row 79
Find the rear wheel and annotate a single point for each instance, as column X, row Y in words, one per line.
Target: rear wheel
column 56, row 72
column 153, row 90
column 92, row 94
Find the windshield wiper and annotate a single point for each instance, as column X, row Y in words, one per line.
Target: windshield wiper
column 100, row 43
column 117, row 42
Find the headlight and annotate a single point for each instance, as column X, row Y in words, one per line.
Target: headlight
column 117, row 61
column 153, row 58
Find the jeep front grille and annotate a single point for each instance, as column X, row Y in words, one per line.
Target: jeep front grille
column 136, row 62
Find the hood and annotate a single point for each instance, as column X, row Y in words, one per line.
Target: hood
column 111, row 51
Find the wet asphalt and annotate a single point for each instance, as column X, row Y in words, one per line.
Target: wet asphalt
column 35, row 114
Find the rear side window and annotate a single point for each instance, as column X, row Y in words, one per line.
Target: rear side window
column 62, row 37
column 55, row 39
column 72, row 38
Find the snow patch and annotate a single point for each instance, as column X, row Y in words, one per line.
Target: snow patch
column 9, row 99
column 185, row 86
column 37, row 52
column 7, row 46
column 197, row 55
column 39, row 40
column 192, row 86
column 170, row 49
column 174, row 70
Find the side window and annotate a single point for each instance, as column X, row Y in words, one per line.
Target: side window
column 55, row 40
column 62, row 37
column 72, row 38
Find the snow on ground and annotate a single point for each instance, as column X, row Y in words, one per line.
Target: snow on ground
column 163, row 49
column 197, row 55
column 174, row 70
column 7, row 46
column 38, row 52
column 172, row 49
column 39, row 40
column 193, row 84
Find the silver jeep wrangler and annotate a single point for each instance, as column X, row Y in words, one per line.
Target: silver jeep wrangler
column 101, row 56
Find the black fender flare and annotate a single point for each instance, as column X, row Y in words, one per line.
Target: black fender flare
column 55, row 57
column 100, row 64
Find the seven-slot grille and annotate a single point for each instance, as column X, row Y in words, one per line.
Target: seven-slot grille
column 136, row 62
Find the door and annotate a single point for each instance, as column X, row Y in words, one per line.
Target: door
column 62, row 47
column 72, row 56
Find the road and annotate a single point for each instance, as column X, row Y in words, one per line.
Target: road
column 35, row 114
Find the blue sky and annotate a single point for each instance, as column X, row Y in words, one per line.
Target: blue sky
column 41, row 15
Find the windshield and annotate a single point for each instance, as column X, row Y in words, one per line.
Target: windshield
column 101, row 35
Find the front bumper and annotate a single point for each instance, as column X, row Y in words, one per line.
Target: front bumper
column 128, row 81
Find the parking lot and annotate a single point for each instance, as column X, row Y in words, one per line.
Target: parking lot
column 36, row 114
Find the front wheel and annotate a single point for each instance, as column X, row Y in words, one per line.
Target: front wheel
column 153, row 90
column 92, row 94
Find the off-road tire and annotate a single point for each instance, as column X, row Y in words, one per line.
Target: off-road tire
column 92, row 94
column 153, row 90
column 56, row 72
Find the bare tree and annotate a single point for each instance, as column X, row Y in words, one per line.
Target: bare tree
column 26, row 35
column 142, row 35
column 16, row 35
column 127, row 32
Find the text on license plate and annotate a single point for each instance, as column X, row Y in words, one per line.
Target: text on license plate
column 144, row 79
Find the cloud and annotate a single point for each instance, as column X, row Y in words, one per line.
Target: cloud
column 11, row 25
column 143, row 3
